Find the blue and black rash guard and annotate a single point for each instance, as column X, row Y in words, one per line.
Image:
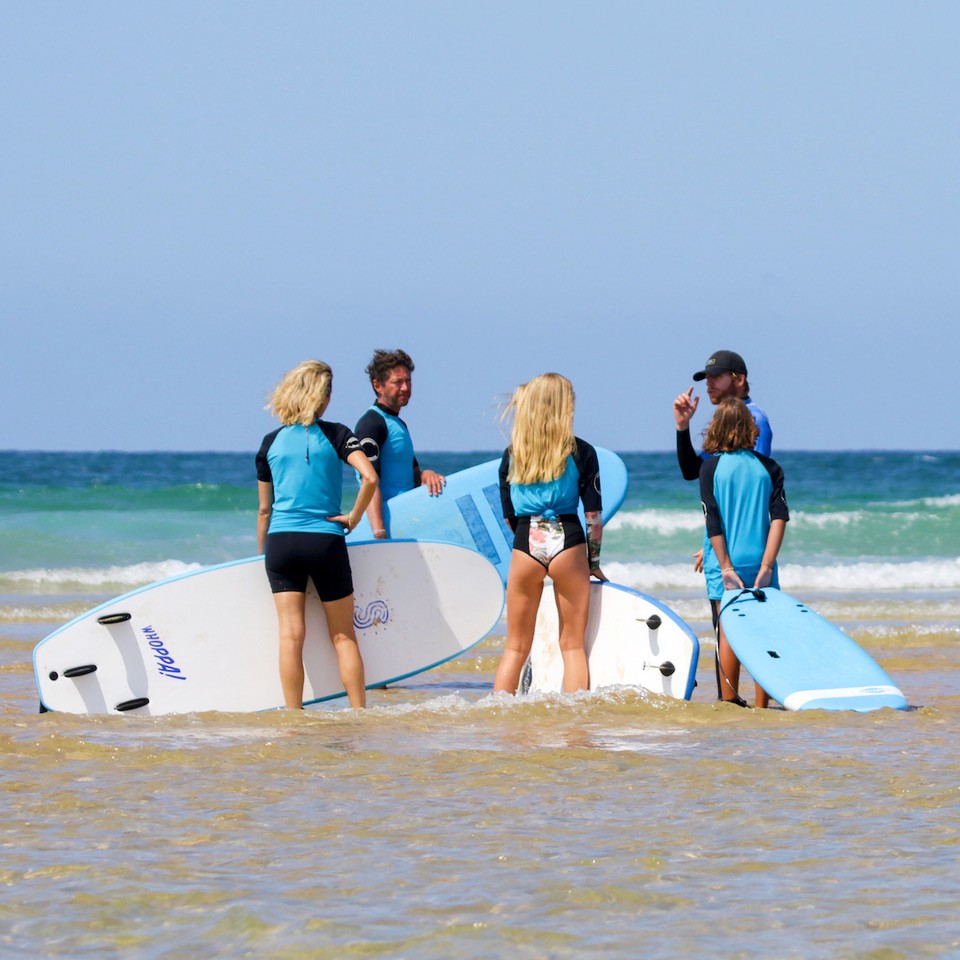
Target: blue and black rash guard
column 580, row 481
column 385, row 439
column 742, row 492
column 304, row 466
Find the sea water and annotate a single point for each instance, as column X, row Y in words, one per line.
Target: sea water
column 446, row 822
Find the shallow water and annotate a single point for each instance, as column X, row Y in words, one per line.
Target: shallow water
column 447, row 822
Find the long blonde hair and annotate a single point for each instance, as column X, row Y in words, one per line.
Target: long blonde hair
column 541, row 437
column 302, row 393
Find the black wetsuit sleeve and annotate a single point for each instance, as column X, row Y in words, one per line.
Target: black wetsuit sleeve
column 711, row 512
column 509, row 514
column 778, row 495
column 687, row 457
column 585, row 457
column 372, row 433
column 341, row 438
column 264, row 472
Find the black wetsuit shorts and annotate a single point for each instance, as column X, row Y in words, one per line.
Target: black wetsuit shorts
column 293, row 557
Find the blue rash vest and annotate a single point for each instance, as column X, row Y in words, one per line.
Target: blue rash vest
column 764, row 442
column 305, row 466
column 385, row 440
column 580, row 480
column 692, row 462
column 741, row 492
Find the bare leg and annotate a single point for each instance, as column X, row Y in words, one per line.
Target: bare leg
column 571, row 589
column 729, row 669
column 524, row 589
column 290, row 606
column 339, row 614
column 762, row 697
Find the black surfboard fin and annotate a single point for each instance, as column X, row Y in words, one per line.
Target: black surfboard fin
column 80, row 671
column 109, row 618
column 132, row 704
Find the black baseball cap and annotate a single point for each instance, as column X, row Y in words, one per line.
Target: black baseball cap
column 723, row 361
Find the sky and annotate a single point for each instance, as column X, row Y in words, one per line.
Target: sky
column 196, row 196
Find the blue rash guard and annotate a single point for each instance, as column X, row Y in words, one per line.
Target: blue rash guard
column 691, row 462
column 580, row 481
column 742, row 492
column 305, row 466
column 385, row 439
column 764, row 442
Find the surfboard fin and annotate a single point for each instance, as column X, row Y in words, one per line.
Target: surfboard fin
column 80, row 671
column 653, row 622
column 132, row 704
column 666, row 668
column 109, row 618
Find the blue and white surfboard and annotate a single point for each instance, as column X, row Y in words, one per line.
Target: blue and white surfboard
column 468, row 511
column 802, row 660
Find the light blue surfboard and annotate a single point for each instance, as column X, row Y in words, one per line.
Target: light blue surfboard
column 468, row 512
column 802, row 660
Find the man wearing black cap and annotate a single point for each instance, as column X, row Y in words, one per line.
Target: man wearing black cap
column 726, row 376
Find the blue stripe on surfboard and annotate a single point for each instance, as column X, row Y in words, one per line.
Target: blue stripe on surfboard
column 477, row 528
column 492, row 493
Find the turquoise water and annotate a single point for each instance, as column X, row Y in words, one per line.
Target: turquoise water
column 104, row 510
column 446, row 822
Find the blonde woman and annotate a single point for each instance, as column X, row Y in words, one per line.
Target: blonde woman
column 300, row 526
column 545, row 473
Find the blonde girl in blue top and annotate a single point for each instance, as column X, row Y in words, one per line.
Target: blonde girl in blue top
column 301, row 526
column 544, row 475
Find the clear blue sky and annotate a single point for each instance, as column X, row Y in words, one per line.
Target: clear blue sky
column 196, row 196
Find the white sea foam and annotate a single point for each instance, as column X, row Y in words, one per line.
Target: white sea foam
column 824, row 520
column 952, row 500
column 666, row 523
column 133, row 575
column 663, row 522
column 928, row 575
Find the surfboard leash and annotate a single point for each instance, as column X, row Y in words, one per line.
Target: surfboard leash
column 760, row 597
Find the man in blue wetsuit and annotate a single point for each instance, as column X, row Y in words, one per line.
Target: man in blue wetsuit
column 726, row 376
column 385, row 439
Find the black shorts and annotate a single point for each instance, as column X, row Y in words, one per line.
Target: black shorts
column 293, row 557
column 545, row 539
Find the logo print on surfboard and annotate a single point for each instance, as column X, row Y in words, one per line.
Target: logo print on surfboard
column 375, row 613
column 165, row 662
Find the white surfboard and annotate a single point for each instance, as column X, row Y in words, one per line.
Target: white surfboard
column 632, row 640
column 207, row 640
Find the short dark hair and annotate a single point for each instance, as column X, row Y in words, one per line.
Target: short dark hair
column 385, row 360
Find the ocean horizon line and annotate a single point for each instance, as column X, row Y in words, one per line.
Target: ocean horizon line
column 488, row 452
